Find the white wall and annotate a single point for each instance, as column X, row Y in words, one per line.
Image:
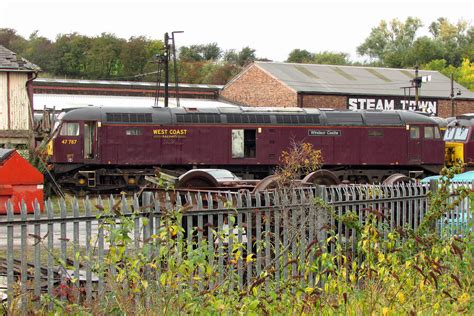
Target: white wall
column 19, row 103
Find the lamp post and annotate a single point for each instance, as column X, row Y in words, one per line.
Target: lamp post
column 452, row 95
column 167, row 53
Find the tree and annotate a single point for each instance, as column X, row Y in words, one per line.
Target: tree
column 331, row 58
column 436, row 64
column 457, row 40
column 395, row 44
column 211, row 51
column 246, row 55
column 103, row 58
column 300, row 56
column 11, row 40
column 463, row 74
column 466, row 74
column 190, row 53
column 390, row 42
column 241, row 58
column 70, row 55
column 231, row 56
column 223, row 73
column 375, row 44
column 38, row 50
column 136, row 53
column 191, row 72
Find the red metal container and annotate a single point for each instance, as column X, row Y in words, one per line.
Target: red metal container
column 19, row 180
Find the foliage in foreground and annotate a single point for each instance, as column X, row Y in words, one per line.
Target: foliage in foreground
column 388, row 272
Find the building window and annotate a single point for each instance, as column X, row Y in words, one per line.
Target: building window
column 429, row 132
column 70, row 129
column 414, row 132
column 133, row 132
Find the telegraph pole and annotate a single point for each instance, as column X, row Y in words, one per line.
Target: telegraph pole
column 417, row 84
column 166, row 61
column 176, row 84
column 452, row 95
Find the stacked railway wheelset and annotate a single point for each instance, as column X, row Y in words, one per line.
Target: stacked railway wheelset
column 104, row 149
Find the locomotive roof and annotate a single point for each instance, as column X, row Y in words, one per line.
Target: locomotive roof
column 242, row 115
column 463, row 120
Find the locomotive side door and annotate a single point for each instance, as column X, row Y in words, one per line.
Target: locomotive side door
column 244, row 143
column 414, row 145
column 90, row 140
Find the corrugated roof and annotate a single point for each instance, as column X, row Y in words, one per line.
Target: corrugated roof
column 47, row 81
column 352, row 80
column 66, row 101
column 9, row 61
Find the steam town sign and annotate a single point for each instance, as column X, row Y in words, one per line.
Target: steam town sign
column 429, row 106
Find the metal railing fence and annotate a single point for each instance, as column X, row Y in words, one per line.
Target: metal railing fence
column 43, row 252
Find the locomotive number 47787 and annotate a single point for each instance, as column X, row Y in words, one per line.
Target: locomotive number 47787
column 69, row 141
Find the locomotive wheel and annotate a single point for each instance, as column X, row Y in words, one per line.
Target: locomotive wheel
column 397, row 178
column 270, row 182
column 197, row 179
column 321, row 177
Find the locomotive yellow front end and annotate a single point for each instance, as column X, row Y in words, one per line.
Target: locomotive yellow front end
column 454, row 153
column 459, row 142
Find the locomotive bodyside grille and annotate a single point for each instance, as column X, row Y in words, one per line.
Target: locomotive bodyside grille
column 129, row 117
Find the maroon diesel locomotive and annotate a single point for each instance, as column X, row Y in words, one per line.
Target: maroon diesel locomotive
column 103, row 148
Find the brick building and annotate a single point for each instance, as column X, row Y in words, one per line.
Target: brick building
column 345, row 87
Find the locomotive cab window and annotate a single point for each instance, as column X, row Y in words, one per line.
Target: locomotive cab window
column 437, row 133
column 133, row 132
column 461, row 133
column 244, row 143
column 414, row 132
column 70, row 129
column 449, row 133
column 429, row 132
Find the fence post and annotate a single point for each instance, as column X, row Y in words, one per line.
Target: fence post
column 147, row 229
column 50, row 229
column 433, row 189
column 434, row 185
column 10, row 272
column 24, row 256
column 37, row 251
column 321, row 216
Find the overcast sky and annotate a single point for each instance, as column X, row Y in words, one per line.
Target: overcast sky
column 272, row 27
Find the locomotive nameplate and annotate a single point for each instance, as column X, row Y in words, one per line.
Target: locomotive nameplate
column 169, row 133
column 324, row 132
